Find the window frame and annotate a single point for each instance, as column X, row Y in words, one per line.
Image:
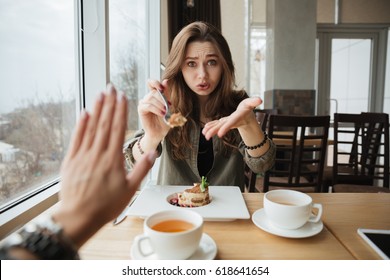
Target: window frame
column 24, row 208
column 92, row 74
column 378, row 34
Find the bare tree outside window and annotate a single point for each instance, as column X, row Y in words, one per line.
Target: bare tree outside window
column 128, row 53
column 41, row 132
column 37, row 93
column 127, row 80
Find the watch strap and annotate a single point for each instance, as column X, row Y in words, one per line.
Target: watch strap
column 46, row 240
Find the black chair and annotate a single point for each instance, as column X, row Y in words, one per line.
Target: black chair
column 301, row 150
column 364, row 139
column 262, row 117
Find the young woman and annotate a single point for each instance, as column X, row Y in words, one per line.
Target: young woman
column 221, row 133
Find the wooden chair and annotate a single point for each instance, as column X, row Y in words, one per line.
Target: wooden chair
column 262, row 116
column 347, row 150
column 366, row 137
column 301, row 150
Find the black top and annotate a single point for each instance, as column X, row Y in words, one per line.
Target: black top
column 205, row 155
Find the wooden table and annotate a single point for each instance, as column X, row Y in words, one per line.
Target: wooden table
column 241, row 239
column 344, row 213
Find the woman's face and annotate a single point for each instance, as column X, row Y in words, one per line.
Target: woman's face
column 202, row 68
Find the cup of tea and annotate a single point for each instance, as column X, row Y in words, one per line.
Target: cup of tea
column 172, row 234
column 289, row 209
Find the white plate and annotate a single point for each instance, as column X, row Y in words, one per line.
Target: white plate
column 259, row 218
column 227, row 203
column 207, row 251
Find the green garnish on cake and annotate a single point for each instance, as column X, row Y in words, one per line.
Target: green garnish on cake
column 204, row 184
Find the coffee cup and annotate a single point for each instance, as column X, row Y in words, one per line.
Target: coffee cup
column 289, row 209
column 172, row 234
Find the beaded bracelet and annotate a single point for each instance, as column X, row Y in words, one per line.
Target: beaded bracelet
column 139, row 145
column 258, row 145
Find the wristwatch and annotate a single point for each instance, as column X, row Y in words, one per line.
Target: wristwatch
column 45, row 239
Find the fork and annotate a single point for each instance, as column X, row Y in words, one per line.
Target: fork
column 168, row 112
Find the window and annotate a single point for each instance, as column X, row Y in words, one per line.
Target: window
column 128, row 52
column 37, row 101
column 350, row 75
column 54, row 61
column 257, row 61
column 134, row 53
column 386, row 103
column 351, row 69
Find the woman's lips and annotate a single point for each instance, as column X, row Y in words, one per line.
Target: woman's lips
column 203, row 86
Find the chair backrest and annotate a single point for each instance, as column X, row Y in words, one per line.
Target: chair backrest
column 347, row 138
column 364, row 138
column 301, row 150
column 262, row 116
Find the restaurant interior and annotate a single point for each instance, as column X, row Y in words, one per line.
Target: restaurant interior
column 322, row 69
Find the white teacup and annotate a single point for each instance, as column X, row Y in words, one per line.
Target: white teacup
column 172, row 234
column 288, row 209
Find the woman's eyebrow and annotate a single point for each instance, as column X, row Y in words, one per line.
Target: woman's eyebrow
column 191, row 57
column 212, row 55
column 197, row 57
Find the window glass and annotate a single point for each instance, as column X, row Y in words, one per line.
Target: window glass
column 257, row 61
column 128, row 52
column 37, row 93
column 350, row 77
column 386, row 105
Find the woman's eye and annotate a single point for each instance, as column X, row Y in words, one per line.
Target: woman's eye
column 212, row 62
column 191, row 64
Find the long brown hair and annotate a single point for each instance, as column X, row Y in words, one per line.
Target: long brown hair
column 222, row 101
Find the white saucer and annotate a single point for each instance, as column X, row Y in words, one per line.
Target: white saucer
column 259, row 218
column 207, row 251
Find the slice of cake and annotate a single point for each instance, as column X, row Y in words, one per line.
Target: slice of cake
column 197, row 196
column 177, row 119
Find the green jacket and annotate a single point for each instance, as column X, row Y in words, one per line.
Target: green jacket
column 226, row 171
